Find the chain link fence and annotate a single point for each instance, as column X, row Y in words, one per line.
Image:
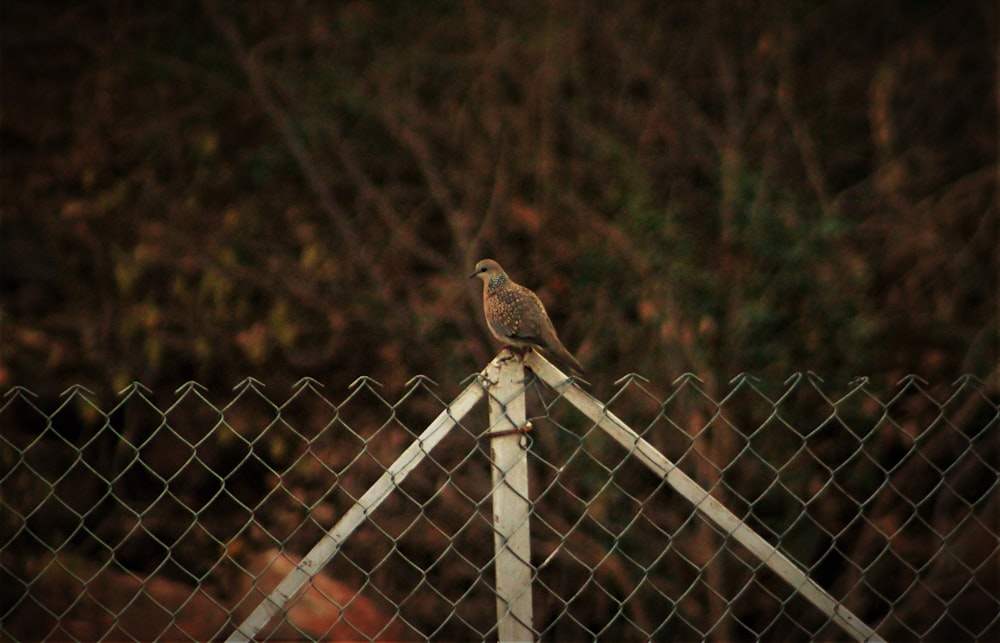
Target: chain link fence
column 155, row 516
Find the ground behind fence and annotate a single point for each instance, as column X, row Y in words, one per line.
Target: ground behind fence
column 170, row 514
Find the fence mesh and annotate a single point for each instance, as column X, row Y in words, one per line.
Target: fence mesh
column 169, row 517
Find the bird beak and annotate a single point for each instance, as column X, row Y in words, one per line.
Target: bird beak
column 474, row 273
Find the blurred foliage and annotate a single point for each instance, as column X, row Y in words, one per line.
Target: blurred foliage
column 220, row 189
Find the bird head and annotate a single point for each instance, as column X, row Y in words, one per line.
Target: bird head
column 487, row 269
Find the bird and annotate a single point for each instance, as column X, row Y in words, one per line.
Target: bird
column 516, row 315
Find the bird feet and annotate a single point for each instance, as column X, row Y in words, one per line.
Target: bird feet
column 516, row 352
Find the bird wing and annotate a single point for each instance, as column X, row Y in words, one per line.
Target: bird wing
column 534, row 325
column 518, row 315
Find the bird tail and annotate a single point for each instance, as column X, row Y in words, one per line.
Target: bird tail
column 566, row 358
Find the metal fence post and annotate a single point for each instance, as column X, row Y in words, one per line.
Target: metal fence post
column 511, row 504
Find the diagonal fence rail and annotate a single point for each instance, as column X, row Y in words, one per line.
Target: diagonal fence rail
column 142, row 520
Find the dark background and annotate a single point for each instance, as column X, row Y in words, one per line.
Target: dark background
column 214, row 190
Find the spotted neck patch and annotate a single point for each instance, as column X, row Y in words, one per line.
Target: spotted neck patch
column 497, row 280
